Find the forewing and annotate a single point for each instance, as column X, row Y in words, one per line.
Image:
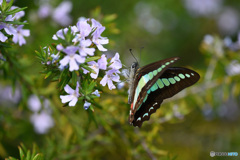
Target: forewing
column 146, row 77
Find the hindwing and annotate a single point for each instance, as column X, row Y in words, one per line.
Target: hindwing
column 172, row 81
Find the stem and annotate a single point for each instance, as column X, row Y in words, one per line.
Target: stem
column 211, row 67
column 144, row 144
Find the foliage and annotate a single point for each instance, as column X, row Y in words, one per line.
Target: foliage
column 27, row 155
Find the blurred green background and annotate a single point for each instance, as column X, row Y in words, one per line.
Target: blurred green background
column 204, row 118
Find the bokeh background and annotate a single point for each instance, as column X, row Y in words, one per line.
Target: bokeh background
column 204, row 118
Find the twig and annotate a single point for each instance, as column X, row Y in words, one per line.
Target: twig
column 143, row 143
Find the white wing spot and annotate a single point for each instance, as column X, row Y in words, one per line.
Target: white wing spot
column 146, row 114
column 139, row 119
column 150, row 109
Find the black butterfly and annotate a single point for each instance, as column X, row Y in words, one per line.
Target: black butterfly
column 151, row 84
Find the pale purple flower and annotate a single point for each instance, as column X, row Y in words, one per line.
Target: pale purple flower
column 83, row 48
column 115, row 62
column 96, row 24
column 44, row 11
column 203, row 7
column 59, row 47
column 208, row 39
column 34, row 103
column 61, row 13
column 2, row 58
column 55, row 57
column 74, row 29
column 7, row 94
column 101, row 64
column 60, row 34
column 147, row 19
column 42, row 122
column 84, row 30
column 234, row 46
column 120, row 85
column 82, row 19
column 95, row 67
column 18, row 37
column 72, row 58
column 61, row 67
column 9, row 29
column 85, row 71
column 228, row 21
column 111, row 75
column 18, row 15
column 3, row 38
column 86, row 105
column 96, row 92
column 233, row 68
column 227, row 41
column 72, row 98
column 98, row 40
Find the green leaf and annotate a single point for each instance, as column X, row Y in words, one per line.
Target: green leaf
column 92, row 117
column 91, row 107
column 21, row 152
column 28, row 155
column 110, row 17
column 48, row 74
column 4, row 5
column 9, row 5
column 16, row 10
column 91, row 87
column 74, row 77
column 11, row 158
column 96, row 105
column 38, row 54
column 92, row 58
column 87, row 68
column 38, row 157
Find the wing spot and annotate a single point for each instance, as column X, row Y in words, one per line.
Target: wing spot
column 150, row 75
column 149, row 91
column 151, row 108
column 171, row 80
column 160, row 83
column 192, row 74
column 146, row 114
column 139, row 119
column 177, row 78
column 155, row 72
column 181, row 76
column 165, row 81
column 167, row 63
column 154, row 87
column 187, row 75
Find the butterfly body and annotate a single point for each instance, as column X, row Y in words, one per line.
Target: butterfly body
column 151, row 84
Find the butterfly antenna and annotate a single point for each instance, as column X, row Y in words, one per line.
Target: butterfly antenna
column 133, row 55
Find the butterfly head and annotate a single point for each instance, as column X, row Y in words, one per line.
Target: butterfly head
column 134, row 66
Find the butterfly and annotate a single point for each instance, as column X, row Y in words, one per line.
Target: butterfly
column 151, row 84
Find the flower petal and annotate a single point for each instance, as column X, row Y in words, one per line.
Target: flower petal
column 73, row 101
column 68, row 89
